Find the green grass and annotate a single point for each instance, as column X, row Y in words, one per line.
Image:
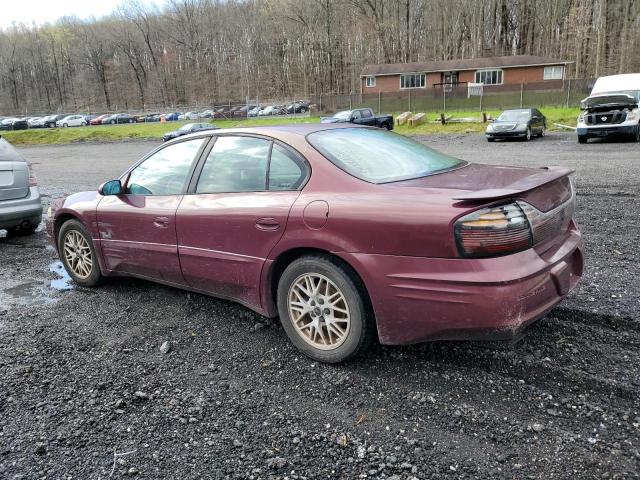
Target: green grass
column 154, row 131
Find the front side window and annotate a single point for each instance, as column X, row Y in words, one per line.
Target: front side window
column 555, row 72
column 371, row 81
column 489, row 77
column 413, row 80
column 165, row 172
column 235, row 164
column 377, row 156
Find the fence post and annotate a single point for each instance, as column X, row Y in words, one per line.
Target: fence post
column 521, row 90
column 481, row 95
column 409, row 90
column 350, row 101
column 320, row 102
column 568, row 91
column 444, row 99
column 379, row 101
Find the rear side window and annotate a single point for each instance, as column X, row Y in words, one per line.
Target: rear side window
column 285, row 172
column 367, row 113
column 165, row 172
column 235, row 164
column 378, row 156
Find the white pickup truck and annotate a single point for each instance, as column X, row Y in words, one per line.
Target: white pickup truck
column 612, row 109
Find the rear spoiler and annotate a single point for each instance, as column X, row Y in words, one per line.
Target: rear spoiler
column 523, row 185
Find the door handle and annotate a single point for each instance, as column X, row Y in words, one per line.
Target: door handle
column 161, row 222
column 267, row 224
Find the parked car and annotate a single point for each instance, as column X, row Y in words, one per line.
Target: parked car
column 7, row 123
column 254, row 112
column 301, row 106
column 188, row 116
column 150, row 117
column 98, row 120
column 206, row 114
column 19, row 124
column 368, row 234
column 72, row 121
column 172, row 117
column 118, row 118
column 50, row 120
column 612, row 109
column 270, row 110
column 517, row 123
column 89, row 117
column 20, row 203
column 188, row 128
column 361, row 116
column 36, row 122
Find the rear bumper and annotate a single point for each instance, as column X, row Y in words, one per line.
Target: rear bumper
column 15, row 212
column 418, row 299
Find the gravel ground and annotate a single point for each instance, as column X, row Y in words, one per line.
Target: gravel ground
column 82, row 374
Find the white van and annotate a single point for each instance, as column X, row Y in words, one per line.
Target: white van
column 612, row 109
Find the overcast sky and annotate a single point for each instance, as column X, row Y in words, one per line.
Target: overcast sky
column 43, row 11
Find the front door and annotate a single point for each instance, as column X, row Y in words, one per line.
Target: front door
column 137, row 229
column 235, row 215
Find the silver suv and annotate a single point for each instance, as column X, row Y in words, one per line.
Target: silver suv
column 20, row 205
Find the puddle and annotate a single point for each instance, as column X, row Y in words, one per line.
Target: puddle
column 62, row 283
column 37, row 292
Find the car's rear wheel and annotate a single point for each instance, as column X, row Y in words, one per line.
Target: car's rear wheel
column 78, row 254
column 324, row 310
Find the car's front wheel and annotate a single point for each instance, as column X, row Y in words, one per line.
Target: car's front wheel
column 527, row 136
column 324, row 310
column 78, row 254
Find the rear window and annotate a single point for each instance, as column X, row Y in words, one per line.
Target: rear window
column 378, row 156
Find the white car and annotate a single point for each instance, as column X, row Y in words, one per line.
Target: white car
column 270, row 110
column 612, row 109
column 72, row 121
column 36, row 122
column 254, row 112
column 188, row 116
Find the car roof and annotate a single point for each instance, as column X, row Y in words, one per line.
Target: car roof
column 280, row 132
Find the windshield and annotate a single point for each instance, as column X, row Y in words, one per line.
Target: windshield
column 345, row 114
column 514, row 116
column 378, row 156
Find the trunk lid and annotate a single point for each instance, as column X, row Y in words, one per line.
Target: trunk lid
column 14, row 173
column 544, row 188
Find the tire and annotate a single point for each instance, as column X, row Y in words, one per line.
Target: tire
column 75, row 232
column 541, row 134
column 386, row 126
column 131, row 121
column 637, row 135
column 83, row 124
column 582, row 139
column 349, row 310
column 112, row 122
column 303, row 110
column 22, row 231
column 65, row 125
column 528, row 135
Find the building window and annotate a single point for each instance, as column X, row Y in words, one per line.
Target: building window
column 489, row 77
column 554, row 73
column 371, row 81
column 413, row 80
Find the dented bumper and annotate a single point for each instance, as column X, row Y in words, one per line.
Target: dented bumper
column 419, row 299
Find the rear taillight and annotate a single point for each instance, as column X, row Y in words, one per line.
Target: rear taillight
column 33, row 181
column 493, row 231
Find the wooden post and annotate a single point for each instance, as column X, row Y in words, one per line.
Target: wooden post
column 320, row 106
column 444, row 100
column 484, row 117
column 568, row 91
column 409, row 90
column 379, row 102
column 521, row 90
column 443, row 120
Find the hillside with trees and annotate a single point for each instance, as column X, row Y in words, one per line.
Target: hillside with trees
column 213, row 51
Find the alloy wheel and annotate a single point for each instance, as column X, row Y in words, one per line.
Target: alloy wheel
column 319, row 311
column 77, row 254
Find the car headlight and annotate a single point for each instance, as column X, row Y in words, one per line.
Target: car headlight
column 489, row 128
column 634, row 114
column 521, row 126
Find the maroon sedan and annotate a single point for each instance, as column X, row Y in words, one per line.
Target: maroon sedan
column 347, row 233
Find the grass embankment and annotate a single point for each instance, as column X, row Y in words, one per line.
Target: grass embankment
column 154, row 131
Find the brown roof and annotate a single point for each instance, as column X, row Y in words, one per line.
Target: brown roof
column 454, row 65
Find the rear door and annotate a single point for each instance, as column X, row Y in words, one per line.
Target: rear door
column 138, row 228
column 235, row 213
column 14, row 173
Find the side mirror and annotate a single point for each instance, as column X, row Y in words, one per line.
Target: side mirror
column 112, row 187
